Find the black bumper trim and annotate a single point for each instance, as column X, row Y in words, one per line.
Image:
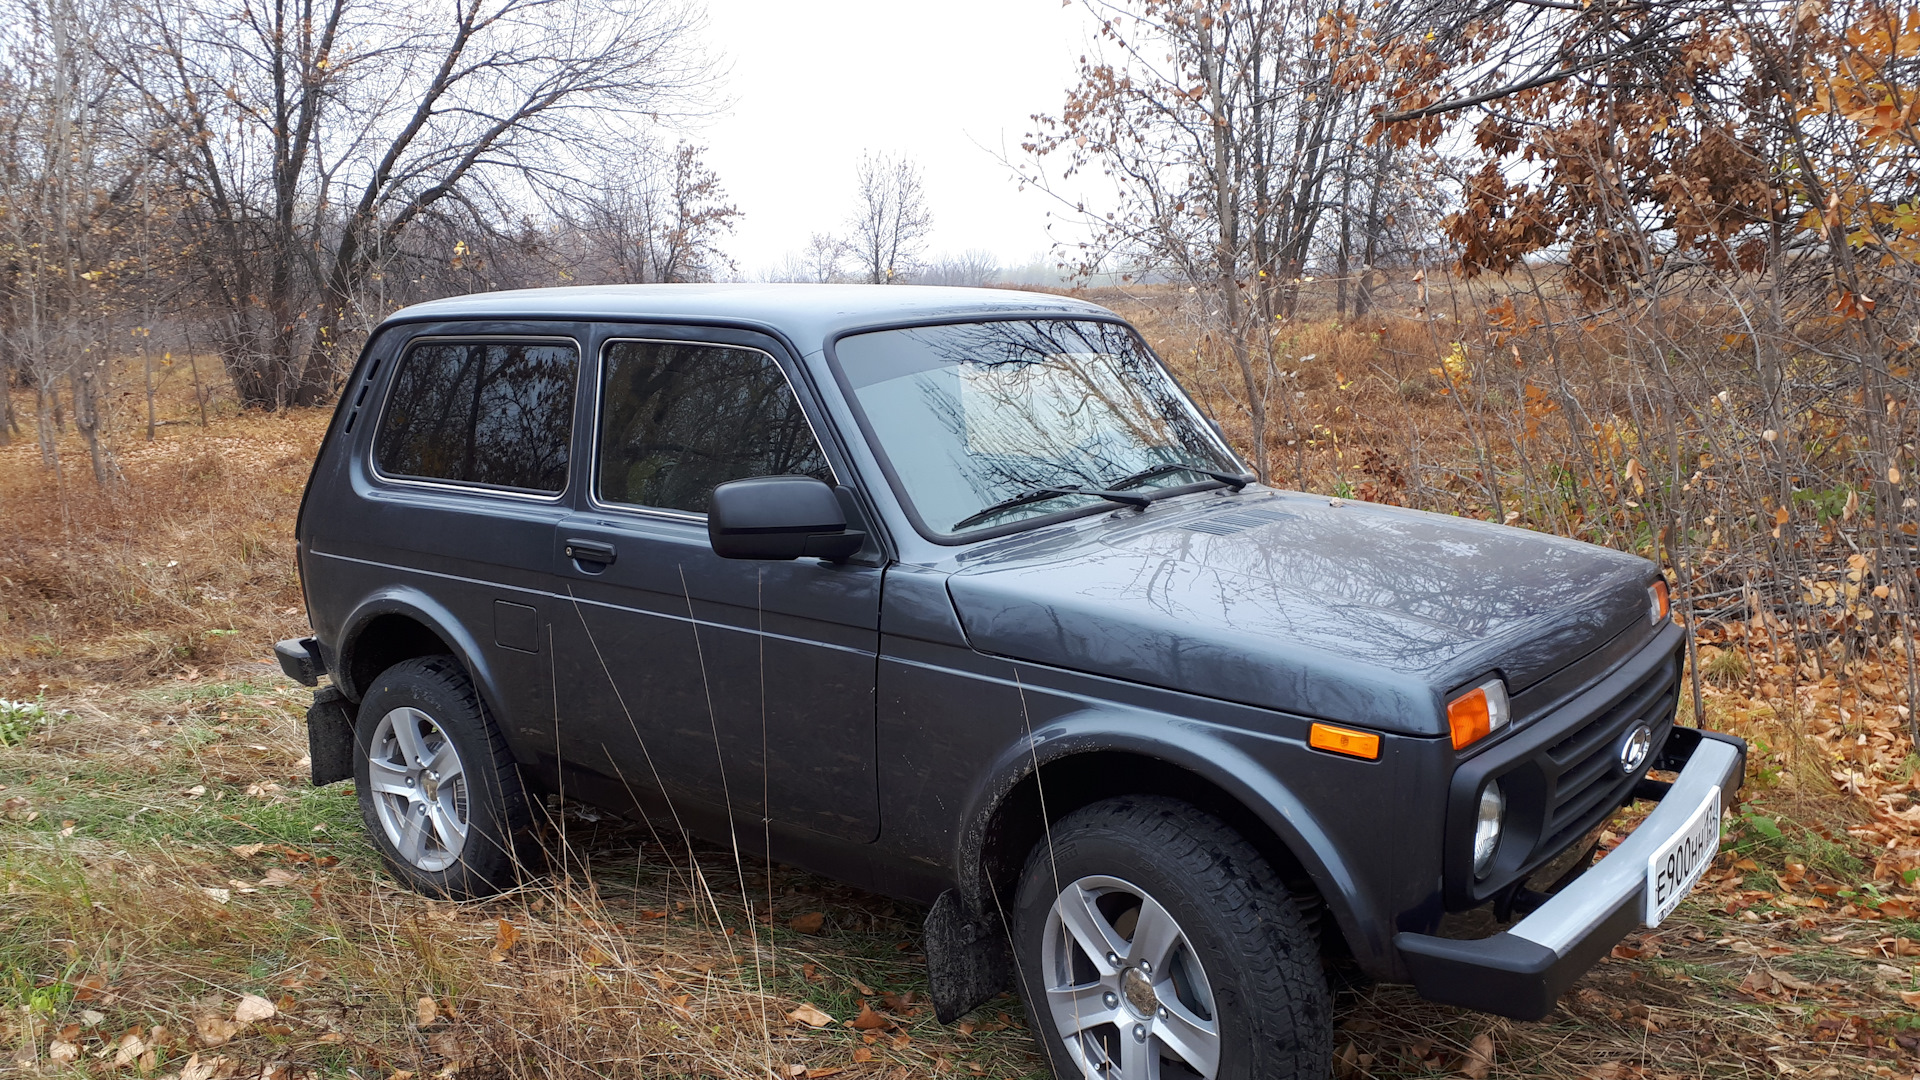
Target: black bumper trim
column 300, row 659
column 1514, row 973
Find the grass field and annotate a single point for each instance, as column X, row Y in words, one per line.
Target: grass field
column 176, row 901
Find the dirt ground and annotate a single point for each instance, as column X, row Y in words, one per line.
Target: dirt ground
column 176, row 901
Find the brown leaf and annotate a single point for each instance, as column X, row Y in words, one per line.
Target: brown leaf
column 1479, row 1060
column 89, row 987
column 278, row 877
column 62, row 1051
column 253, row 1008
column 128, row 1049
column 868, row 1019
column 810, row 1016
column 247, row 851
column 505, row 935
column 445, row 1045
column 215, row 1030
column 195, row 1069
column 862, row 1055
column 425, row 1011
column 810, row 923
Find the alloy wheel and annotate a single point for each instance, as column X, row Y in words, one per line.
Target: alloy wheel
column 1124, row 987
column 419, row 789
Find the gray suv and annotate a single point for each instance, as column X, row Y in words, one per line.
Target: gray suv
column 960, row 595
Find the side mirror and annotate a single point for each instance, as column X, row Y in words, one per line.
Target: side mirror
column 780, row 517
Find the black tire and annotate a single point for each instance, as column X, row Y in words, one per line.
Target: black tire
column 434, row 697
column 1259, row 985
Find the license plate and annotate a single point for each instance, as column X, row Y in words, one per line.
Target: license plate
column 1678, row 863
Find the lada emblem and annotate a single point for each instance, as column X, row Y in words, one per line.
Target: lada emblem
column 1633, row 748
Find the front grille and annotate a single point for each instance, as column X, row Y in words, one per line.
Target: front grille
column 1561, row 773
column 1583, row 770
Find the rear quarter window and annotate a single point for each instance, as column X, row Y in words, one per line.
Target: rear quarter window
column 490, row 413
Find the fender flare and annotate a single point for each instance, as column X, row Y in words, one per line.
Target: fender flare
column 1197, row 748
column 428, row 612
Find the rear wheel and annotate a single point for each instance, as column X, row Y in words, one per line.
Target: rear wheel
column 438, row 790
column 1153, row 941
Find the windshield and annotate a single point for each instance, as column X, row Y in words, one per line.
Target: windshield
column 982, row 422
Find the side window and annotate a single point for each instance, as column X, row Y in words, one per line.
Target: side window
column 498, row 413
column 678, row 419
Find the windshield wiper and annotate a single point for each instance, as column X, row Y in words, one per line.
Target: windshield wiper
column 1236, row 481
column 1042, row 494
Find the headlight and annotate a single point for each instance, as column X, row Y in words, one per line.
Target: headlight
column 1658, row 603
column 1478, row 713
column 1486, row 830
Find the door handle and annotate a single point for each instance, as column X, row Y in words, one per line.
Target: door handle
column 589, row 551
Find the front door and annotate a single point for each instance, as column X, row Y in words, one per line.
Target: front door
column 722, row 686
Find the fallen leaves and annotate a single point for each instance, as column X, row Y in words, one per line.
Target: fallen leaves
column 215, row 1030
column 426, row 1012
column 810, row 1016
column 1479, row 1059
column 505, row 937
column 252, row 1009
column 1765, row 982
column 810, row 923
column 868, row 1019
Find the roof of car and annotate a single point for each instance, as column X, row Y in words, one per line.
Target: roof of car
column 808, row 314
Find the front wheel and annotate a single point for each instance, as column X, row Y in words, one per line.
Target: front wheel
column 438, row 790
column 1154, row 941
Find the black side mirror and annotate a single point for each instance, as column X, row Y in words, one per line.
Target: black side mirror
column 780, row 517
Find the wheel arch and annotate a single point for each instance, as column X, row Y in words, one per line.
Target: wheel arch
column 402, row 624
column 1083, row 759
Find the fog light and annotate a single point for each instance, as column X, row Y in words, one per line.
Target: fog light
column 1486, row 830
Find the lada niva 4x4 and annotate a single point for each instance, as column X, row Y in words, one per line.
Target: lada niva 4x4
column 955, row 595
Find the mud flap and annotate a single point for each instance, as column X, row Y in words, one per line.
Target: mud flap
column 967, row 960
column 330, row 736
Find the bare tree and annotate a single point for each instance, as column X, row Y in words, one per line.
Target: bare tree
column 1227, row 129
column 971, row 267
column 653, row 222
column 64, row 186
column 891, row 221
column 307, row 137
column 824, row 255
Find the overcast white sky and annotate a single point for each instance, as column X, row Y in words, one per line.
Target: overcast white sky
column 815, row 82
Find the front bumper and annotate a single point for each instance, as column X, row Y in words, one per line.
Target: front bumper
column 1520, row 972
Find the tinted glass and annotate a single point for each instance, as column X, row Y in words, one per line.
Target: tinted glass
column 977, row 415
column 679, row 419
column 498, row 413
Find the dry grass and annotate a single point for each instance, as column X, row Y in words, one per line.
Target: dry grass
column 161, row 855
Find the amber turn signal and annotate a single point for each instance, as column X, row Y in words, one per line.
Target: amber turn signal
column 1339, row 740
column 1658, row 604
column 1477, row 713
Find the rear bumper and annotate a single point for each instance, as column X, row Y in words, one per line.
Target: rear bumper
column 300, row 660
column 1520, row 972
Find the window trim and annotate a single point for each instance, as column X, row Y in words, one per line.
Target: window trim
column 994, row 532
column 467, row 487
column 599, row 406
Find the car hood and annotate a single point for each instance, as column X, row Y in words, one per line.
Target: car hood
column 1321, row 607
